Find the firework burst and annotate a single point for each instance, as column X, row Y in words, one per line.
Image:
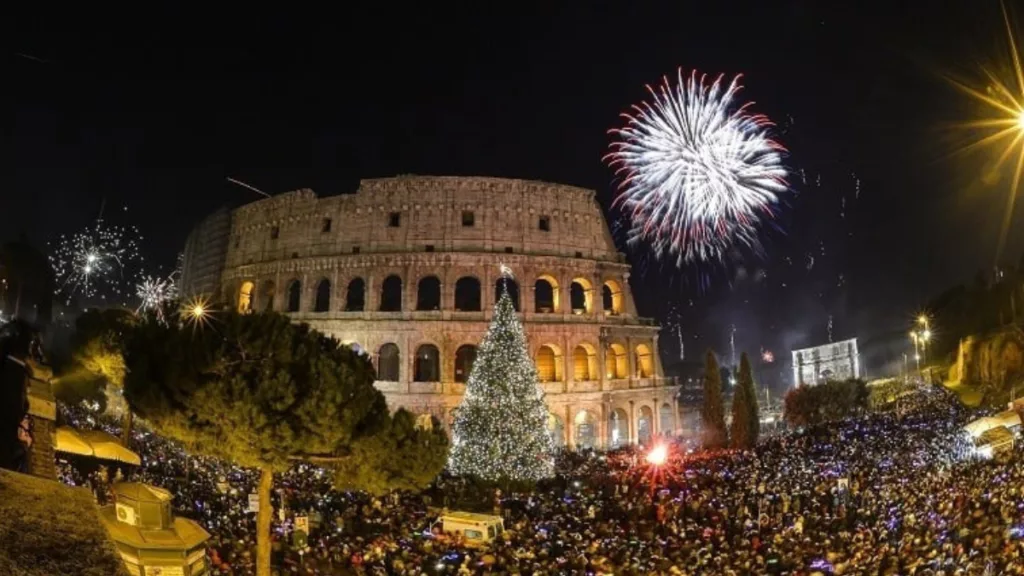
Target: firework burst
column 98, row 262
column 699, row 172
column 154, row 293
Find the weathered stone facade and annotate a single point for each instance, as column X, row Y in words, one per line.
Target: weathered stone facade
column 407, row 269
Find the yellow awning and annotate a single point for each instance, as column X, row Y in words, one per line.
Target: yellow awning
column 70, row 442
column 106, row 447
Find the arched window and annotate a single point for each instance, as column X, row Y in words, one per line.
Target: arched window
column 513, row 291
column 428, row 294
column 428, row 364
column 323, row 296
column 391, row 294
column 665, row 419
column 467, row 294
column 618, row 428
column 580, row 296
column 245, row 297
column 645, row 425
column 557, row 430
column 545, row 295
column 294, row 296
column 464, row 358
column 266, row 297
column 388, row 363
column 586, row 430
column 644, row 361
column 355, row 296
column 615, row 361
column 584, row 363
column 549, row 364
column 611, row 297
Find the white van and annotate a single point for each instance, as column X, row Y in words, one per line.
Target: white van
column 477, row 530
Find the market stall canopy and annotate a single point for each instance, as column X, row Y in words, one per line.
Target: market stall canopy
column 68, row 441
column 1009, row 419
column 106, row 447
column 95, row 443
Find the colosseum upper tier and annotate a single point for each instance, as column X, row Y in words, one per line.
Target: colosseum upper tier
column 408, row 269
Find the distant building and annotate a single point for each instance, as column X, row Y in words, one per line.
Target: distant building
column 835, row 361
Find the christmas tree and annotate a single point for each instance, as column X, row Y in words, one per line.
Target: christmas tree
column 500, row 431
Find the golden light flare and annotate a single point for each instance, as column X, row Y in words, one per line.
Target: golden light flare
column 196, row 311
column 1005, row 126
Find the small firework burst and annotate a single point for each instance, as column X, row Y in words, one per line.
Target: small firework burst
column 154, row 293
column 98, row 262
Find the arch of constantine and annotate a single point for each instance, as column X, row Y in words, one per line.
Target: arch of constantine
column 407, row 270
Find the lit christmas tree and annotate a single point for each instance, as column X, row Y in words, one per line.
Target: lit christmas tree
column 500, row 431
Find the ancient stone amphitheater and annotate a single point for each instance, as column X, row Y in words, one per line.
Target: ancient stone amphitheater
column 407, row 269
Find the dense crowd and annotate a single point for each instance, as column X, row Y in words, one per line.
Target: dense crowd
column 890, row 493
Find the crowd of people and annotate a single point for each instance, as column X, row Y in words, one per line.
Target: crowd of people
column 883, row 494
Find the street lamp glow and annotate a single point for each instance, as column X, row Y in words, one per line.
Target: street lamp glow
column 198, row 311
column 658, row 455
column 1020, row 120
column 926, row 335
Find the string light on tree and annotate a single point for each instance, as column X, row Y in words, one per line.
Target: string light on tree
column 501, row 428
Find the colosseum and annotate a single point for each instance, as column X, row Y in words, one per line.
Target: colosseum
column 407, row 269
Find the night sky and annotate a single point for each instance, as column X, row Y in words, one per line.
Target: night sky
column 153, row 110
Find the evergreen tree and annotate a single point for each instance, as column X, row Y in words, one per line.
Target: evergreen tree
column 501, row 428
column 712, row 412
column 264, row 393
column 746, row 422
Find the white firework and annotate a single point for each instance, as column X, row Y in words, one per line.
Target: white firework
column 100, row 261
column 154, row 293
column 699, row 172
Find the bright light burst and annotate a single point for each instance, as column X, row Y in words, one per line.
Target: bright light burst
column 699, row 171
column 98, row 262
column 154, row 293
column 1006, row 103
column 196, row 311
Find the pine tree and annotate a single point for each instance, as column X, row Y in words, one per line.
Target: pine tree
column 500, row 431
column 746, row 422
column 712, row 412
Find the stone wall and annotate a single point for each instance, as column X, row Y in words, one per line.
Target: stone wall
column 42, row 409
column 991, row 360
column 414, row 264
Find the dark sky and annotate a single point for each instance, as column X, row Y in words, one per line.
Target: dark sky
column 153, row 110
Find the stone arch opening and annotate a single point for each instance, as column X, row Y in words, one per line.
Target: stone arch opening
column 467, row 294
column 585, row 430
column 615, row 361
column 464, row 358
column 391, row 294
column 388, row 363
column 644, row 425
column 644, row 361
column 666, row 419
column 428, row 364
column 580, row 296
column 245, row 297
column 513, row 291
column 556, row 428
column 618, row 428
column 584, row 362
column 611, row 297
column 355, row 295
column 545, row 295
column 294, row 296
column 549, row 363
column 266, row 296
column 322, row 303
column 428, row 293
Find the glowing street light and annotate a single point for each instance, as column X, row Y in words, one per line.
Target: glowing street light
column 658, row 455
